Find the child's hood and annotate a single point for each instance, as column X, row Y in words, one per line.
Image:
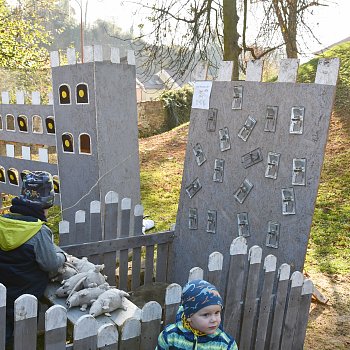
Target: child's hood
column 13, row 233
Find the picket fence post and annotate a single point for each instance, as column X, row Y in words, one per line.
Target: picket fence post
column 55, row 328
column 150, row 325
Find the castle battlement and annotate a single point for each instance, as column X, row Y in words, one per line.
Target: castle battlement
column 20, row 98
column 92, row 54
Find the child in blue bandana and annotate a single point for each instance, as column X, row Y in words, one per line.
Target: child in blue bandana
column 198, row 321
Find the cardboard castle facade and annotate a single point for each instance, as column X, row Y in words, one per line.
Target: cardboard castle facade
column 92, row 122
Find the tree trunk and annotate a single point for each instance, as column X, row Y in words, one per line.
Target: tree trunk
column 231, row 48
column 287, row 19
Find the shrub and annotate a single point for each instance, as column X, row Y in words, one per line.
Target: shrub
column 177, row 104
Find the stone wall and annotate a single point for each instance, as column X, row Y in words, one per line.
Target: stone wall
column 152, row 118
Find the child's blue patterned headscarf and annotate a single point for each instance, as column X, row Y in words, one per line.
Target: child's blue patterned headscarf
column 198, row 294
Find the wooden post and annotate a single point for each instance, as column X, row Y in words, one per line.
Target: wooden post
column 196, row 273
column 215, row 262
column 64, row 234
column 55, row 328
column 280, row 304
column 150, row 325
column 303, row 315
column 124, row 254
column 130, row 335
column 26, row 308
column 235, row 286
column 85, row 333
column 110, row 232
column 107, row 337
column 136, row 253
column 265, row 301
column 80, row 235
column 250, row 302
column 292, row 310
column 172, row 302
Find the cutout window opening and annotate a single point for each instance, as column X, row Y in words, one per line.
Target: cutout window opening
column 85, row 144
column 10, row 122
column 50, row 125
column 56, row 184
column 22, row 122
column 12, row 175
column 68, row 143
column 64, row 94
column 82, row 93
column 2, row 174
column 37, row 125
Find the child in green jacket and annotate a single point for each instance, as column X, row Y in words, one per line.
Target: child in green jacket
column 198, row 321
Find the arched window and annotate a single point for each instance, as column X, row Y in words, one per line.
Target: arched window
column 67, row 143
column 22, row 122
column 2, row 174
column 37, row 125
column 0, row 122
column 56, row 184
column 12, row 175
column 50, row 125
column 82, row 93
column 64, row 94
column 85, row 144
column 10, row 122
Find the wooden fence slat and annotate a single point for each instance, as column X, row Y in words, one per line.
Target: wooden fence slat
column 107, row 337
column 110, row 232
column 64, row 235
column 150, row 325
column 25, row 328
column 162, row 262
column 136, row 252
column 215, row 263
column 266, row 301
column 250, row 302
column 55, row 328
column 280, row 304
column 130, row 335
column 303, row 315
column 292, row 310
column 85, row 333
column 95, row 221
column 196, row 273
column 80, row 235
column 2, row 316
column 124, row 254
column 149, row 264
column 172, row 302
column 235, row 286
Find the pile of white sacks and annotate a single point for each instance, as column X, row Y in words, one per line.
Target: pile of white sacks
column 83, row 285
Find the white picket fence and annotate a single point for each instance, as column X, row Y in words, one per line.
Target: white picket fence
column 265, row 308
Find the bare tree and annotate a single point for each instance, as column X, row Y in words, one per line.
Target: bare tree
column 184, row 33
column 291, row 18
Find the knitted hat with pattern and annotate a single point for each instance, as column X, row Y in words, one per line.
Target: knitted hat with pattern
column 198, row 294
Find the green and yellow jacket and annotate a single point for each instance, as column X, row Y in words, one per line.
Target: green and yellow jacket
column 27, row 256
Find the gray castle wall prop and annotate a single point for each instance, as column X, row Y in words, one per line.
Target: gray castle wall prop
column 253, row 164
column 30, row 127
column 95, row 116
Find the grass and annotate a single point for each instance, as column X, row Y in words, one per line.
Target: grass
column 329, row 244
column 161, row 159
